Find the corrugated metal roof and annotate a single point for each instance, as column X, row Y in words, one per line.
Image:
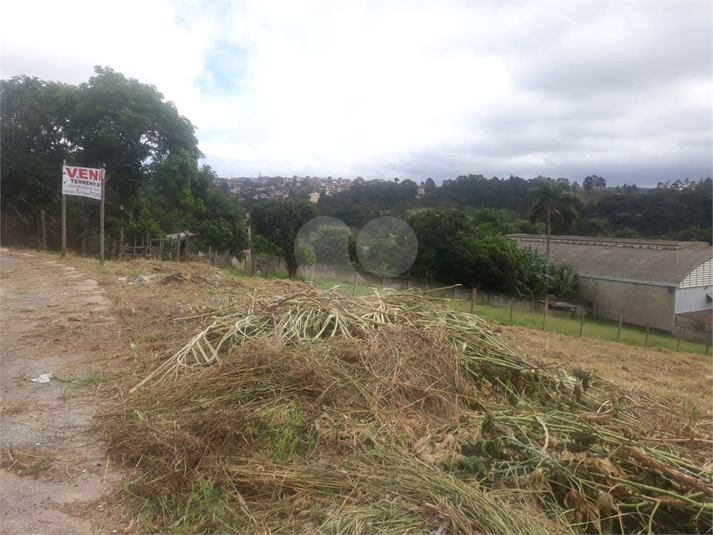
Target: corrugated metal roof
column 658, row 262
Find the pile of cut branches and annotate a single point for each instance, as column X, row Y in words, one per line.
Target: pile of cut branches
column 392, row 413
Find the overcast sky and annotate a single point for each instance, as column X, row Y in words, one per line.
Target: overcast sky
column 404, row 89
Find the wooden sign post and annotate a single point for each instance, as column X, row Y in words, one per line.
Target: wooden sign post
column 64, row 216
column 82, row 182
column 105, row 177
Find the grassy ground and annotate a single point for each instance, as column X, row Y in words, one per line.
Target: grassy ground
column 595, row 329
column 233, row 448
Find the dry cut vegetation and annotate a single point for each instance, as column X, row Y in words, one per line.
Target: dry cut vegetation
column 290, row 409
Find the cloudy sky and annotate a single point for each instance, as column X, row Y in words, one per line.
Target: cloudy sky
column 404, row 89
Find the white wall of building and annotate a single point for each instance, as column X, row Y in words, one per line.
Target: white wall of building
column 690, row 299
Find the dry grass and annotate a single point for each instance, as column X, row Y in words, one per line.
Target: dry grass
column 410, row 418
column 681, row 379
column 392, row 414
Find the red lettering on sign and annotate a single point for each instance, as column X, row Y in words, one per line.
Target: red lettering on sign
column 94, row 174
column 83, row 174
column 71, row 171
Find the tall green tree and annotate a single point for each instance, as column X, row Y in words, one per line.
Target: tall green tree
column 430, row 186
column 437, row 232
column 331, row 246
column 554, row 203
column 126, row 126
column 589, row 183
column 150, row 152
column 35, row 140
column 279, row 221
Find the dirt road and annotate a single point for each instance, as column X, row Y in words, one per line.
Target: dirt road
column 55, row 476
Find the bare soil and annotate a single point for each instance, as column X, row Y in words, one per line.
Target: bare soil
column 55, row 476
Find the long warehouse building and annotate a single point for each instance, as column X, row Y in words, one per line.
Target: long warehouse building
column 665, row 285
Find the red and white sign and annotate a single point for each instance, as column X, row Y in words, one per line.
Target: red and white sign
column 82, row 181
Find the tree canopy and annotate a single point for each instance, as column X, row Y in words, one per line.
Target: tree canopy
column 554, row 203
column 149, row 150
column 279, row 221
column 35, row 140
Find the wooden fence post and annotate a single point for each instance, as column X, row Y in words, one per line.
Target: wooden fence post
column 473, row 297
column 581, row 326
column 618, row 331
column 356, row 282
column 678, row 345
column 311, row 277
column 102, row 215
column 544, row 316
column 64, row 224
column 64, row 215
column 39, row 236
column 512, row 304
column 646, row 340
column 43, row 222
column 133, row 251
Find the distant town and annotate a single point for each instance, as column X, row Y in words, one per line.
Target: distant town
column 279, row 187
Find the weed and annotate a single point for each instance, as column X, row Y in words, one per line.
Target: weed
column 287, row 433
column 204, row 509
column 118, row 270
column 35, row 467
column 93, row 378
column 151, row 337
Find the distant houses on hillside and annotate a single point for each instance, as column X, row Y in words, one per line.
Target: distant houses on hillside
column 267, row 187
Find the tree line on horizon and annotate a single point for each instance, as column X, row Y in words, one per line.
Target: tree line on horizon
column 678, row 211
column 157, row 186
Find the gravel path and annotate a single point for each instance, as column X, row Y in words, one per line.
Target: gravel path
column 55, row 476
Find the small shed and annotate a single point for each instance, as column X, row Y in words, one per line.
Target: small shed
column 181, row 239
column 655, row 283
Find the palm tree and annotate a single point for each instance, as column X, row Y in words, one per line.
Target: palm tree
column 554, row 203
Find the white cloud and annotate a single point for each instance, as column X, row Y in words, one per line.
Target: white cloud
column 412, row 90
